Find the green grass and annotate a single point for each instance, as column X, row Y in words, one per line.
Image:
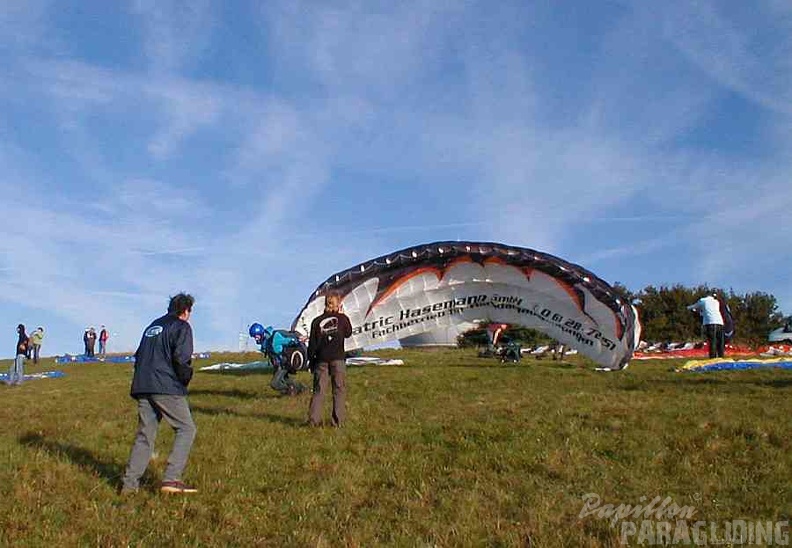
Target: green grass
column 447, row 450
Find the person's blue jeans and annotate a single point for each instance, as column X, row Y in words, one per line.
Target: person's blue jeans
column 16, row 373
column 151, row 410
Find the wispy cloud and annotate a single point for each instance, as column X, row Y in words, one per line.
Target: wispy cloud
column 176, row 32
column 738, row 48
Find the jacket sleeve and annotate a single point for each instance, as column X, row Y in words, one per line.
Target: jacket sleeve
column 347, row 327
column 182, row 354
column 313, row 340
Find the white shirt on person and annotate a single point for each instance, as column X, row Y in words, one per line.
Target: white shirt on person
column 709, row 308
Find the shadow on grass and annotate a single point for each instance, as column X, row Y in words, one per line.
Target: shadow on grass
column 487, row 363
column 694, row 382
column 522, row 364
column 235, row 393
column 553, row 364
column 219, row 411
column 775, row 383
column 241, row 373
column 84, row 458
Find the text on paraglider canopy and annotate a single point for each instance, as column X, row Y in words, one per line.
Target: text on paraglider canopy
column 383, row 326
column 380, row 326
column 572, row 327
column 462, row 302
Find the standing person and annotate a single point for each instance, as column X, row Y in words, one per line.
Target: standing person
column 559, row 349
column 85, row 341
column 326, row 355
column 16, row 373
column 91, row 342
column 36, row 338
column 712, row 323
column 163, row 369
column 103, row 336
column 494, row 333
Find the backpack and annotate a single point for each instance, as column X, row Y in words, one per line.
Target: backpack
column 294, row 354
column 728, row 321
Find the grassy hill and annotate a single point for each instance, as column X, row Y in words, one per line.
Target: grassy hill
column 446, row 450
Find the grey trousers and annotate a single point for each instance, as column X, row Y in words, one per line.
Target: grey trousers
column 16, row 373
column 324, row 373
column 283, row 383
column 151, row 410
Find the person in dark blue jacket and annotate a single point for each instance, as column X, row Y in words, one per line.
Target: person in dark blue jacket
column 163, row 369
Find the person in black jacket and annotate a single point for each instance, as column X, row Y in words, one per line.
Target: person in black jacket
column 163, row 369
column 326, row 357
column 16, row 373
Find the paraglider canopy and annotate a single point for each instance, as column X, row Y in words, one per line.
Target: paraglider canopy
column 437, row 285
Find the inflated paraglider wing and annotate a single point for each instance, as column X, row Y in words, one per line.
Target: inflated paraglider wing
column 438, row 285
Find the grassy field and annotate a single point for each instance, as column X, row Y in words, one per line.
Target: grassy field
column 447, row 450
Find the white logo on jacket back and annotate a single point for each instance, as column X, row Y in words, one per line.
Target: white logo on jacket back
column 328, row 327
column 153, row 331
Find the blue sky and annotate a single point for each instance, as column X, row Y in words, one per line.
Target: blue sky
column 244, row 151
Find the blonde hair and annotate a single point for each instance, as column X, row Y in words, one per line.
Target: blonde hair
column 332, row 302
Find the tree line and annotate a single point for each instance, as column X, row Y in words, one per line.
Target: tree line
column 665, row 318
column 664, row 315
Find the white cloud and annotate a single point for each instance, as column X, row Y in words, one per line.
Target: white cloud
column 186, row 109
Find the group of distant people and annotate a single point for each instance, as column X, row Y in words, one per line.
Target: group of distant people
column 163, row 370
column 28, row 347
column 89, row 340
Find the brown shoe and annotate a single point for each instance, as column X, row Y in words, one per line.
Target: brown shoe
column 176, row 487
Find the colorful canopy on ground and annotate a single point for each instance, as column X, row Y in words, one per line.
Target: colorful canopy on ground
column 35, row 376
column 721, row 364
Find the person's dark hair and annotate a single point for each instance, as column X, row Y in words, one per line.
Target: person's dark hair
column 180, row 303
column 21, row 328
